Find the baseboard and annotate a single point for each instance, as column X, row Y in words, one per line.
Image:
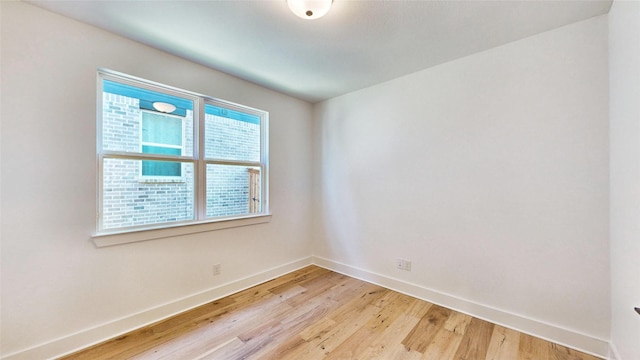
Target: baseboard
column 562, row 336
column 613, row 352
column 74, row 342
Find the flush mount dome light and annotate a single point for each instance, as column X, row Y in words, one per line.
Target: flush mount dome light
column 310, row 9
column 164, row 107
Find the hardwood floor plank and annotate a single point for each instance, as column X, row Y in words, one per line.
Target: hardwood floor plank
column 504, row 344
column 447, row 340
column 318, row 329
column 261, row 341
column 392, row 305
column 351, row 321
column 421, row 335
column 533, row 348
column 224, row 351
column 327, row 286
column 457, row 322
column 279, row 285
column 443, row 346
column 475, row 341
column 316, row 314
column 324, row 343
column 157, row 332
column 363, row 298
column 398, row 352
column 218, row 329
column 378, row 347
column 418, row 309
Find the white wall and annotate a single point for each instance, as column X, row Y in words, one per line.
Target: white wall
column 490, row 173
column 624, row 65
column 55, row 282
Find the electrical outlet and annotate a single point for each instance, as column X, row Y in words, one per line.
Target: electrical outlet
column 216, row 269
column 403, row 264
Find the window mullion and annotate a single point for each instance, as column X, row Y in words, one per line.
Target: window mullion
column 144, row 156
column 233, row 162
column 201, row 166
column 264, row 161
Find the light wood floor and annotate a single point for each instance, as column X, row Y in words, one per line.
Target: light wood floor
column 314, row 313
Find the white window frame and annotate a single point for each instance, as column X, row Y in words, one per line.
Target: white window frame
column 108, row 237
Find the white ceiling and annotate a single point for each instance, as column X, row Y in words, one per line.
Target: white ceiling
column 357, row 44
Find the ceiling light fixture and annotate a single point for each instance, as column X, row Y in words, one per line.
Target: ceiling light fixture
column 310, row 9
column 164, row 107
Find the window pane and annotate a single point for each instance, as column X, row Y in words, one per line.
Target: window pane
column 129, row 200
column 123, row 109
column 233, row 190
column 231, row 135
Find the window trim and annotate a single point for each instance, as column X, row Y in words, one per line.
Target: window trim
column 114, row 236
column 111, row 238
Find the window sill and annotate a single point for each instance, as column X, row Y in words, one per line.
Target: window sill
column 118, row 237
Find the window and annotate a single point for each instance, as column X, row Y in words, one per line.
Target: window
column 169, row 157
